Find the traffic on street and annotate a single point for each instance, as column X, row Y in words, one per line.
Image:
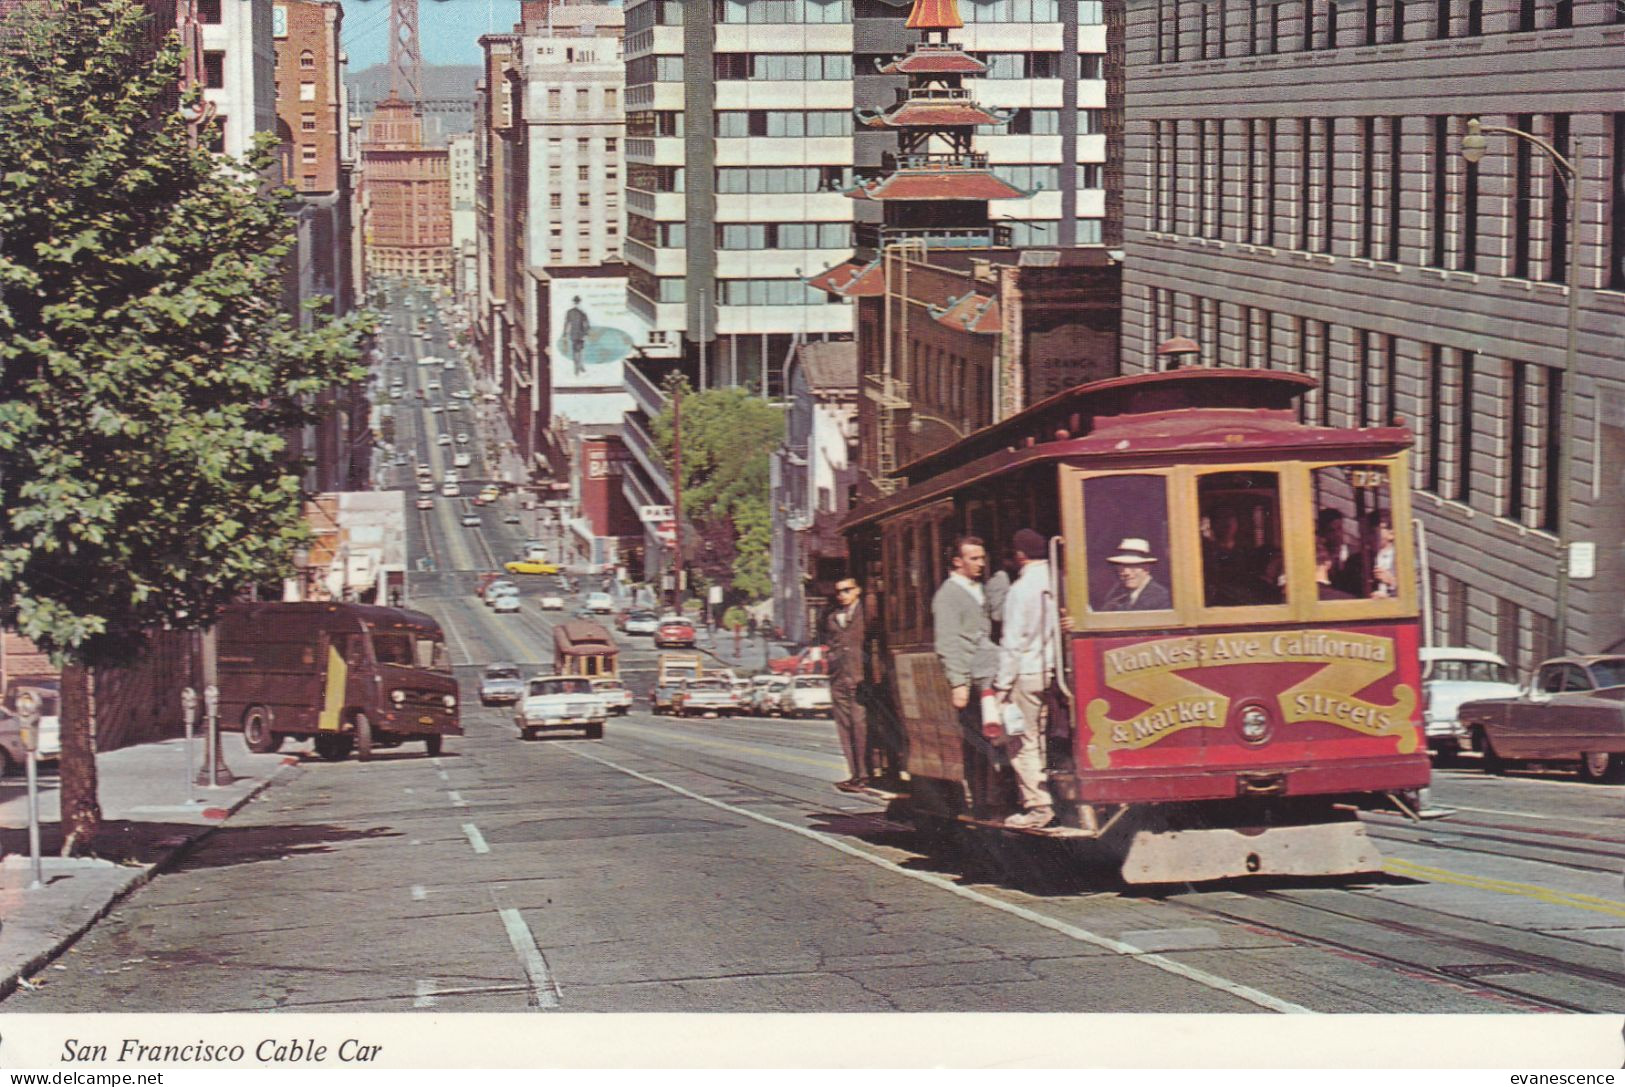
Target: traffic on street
column 703, row 862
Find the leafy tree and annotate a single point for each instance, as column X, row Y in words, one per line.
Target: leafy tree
column 728, row 438
column 147, row 374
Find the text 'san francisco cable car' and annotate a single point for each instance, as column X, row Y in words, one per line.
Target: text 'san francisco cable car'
column 1231, row 721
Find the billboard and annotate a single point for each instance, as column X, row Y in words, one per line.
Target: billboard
column 591, row 332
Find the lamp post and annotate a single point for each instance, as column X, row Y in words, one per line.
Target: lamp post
column 1473, row 146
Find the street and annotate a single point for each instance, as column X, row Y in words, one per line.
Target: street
column 708, row 865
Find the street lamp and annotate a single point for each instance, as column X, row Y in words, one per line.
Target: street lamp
column 916, row 418
column 1473, row 146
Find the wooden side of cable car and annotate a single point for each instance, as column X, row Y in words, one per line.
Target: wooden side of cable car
column 1229, row 721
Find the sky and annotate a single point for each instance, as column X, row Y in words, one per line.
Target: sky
column 448, row 30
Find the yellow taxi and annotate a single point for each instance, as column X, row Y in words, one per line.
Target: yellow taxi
column 531, row 566
column 489, row 493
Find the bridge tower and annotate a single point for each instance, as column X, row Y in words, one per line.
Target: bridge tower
column 405, row 55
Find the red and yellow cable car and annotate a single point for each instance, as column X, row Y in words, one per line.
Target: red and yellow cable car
column 1238, row 664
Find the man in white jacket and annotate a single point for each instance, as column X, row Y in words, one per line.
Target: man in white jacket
column 1026, row 662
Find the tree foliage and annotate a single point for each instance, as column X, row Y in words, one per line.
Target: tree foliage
column 728, row 438
column 148, row 374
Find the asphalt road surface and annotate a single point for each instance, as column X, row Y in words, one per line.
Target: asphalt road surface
column 708, row 865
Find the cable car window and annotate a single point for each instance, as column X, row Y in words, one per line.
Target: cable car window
column 392, row 648
column 1241, row 539
column 1354, row 532
column 1126, row 539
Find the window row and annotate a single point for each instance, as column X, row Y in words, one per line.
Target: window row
column 777, row 122
column 782, row 11
column 770, row 292
column 783, row 179
column 654, row 68
column 784, row 235
column 1044, row 122
column 783, row 66
column 1394, row 189
column 654, row 13
column 1205, row 30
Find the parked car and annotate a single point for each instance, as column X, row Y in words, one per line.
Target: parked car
column 767, row 698
column 600, row 603
column 531, row 566
column 471, row 520
column 1451, row 676
column 617, row 699
column 1572, row 712
column 561, row 702
column 425, row 503
column 501, row 682
column 674, row 633
column 640, row 622
column 708, row 696
column 808, row 696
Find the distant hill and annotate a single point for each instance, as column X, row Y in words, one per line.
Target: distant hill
column 447, row 90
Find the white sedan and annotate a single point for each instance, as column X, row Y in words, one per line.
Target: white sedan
column 552, row 603
column 461, row 460
column 471, row 520
column 462, row 439
column 444, row 439
column 435, row 409
column 463, row 394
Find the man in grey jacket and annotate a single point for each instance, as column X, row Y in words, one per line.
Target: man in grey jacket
column 962, row 629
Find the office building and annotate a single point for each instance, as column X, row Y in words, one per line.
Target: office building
column 1299, row 198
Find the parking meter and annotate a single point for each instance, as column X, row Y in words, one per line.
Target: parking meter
column 189, row 715
column 28, row 707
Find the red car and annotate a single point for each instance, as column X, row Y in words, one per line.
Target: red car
column 674, row 633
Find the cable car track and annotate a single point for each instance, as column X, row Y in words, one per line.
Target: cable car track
column 1434, row 834
column 1497, row 952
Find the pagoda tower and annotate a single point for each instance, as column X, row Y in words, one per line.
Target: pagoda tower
column 935, row 189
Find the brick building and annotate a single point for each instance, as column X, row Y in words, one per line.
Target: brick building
column 1300, row 200
column 408, row 188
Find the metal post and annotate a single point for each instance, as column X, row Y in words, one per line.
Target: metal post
column 28, row 709
column 189, row 715
column 677, row 497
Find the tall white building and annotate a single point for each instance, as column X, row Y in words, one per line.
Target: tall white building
column 742, row 140
column 574, row 111
column 464, row 224
column 739, row 146
column 239, row 69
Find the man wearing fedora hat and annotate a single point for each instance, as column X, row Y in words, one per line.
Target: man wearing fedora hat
column 1136, row 589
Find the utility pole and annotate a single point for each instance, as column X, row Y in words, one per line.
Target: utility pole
column 677, row 496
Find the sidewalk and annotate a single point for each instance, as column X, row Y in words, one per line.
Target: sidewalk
column 147, row 824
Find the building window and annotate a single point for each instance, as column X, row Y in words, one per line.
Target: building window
column 307, row 60
column 1328, row 185
column 1396, row 175
column 1557, row 266
column 1466, row 362
column 1271, row 166
column 1552, row 453
column 555, row 200
column 1439, row 189
column 307, row 122
column 583, row 100
column 555, row 100
column 584, row 200
column 1442, row 16
column 1368, row 187
column 208, row 12
column 307, row 92
column 1396, row 32
column 1434, row 408
column 1517, row 431
column 214, row 69
column 611, row 145
column 1616, row 262
column 307, row 153
column 583, row 173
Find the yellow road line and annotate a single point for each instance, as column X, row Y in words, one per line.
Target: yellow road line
column 1508, row 887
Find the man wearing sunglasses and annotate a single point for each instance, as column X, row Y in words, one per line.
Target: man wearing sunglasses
column 844, row 634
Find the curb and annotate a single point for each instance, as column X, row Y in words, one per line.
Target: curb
column 9, row 984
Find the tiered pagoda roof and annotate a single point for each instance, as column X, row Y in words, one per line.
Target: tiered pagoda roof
column 970, row 183
column 970, row 312
column 931, row 58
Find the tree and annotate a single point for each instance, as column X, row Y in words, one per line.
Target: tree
column 728, row 437
column 147, row 374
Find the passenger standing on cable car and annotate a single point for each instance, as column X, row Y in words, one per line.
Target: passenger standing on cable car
column 961, row 625
column 1026, row 662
